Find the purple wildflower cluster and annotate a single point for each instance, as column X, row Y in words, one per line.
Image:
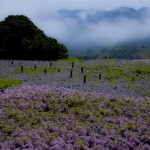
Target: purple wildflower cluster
column 57, row 118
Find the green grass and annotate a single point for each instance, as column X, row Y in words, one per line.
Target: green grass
column 40, row 70
column 113, row 71
column 71, row 59
column 7, row 82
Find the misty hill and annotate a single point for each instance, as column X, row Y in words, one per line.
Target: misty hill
column 119, row 52
column 96, row 16
column 21, row 39
column 120, row 33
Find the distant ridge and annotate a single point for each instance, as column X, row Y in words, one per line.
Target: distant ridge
column 95, row 15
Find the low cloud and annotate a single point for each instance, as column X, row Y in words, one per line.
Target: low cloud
column 77, row 31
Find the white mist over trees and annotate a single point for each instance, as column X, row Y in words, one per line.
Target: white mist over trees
column 86, row 28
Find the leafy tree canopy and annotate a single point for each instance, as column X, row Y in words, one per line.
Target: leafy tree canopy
column 21, row 39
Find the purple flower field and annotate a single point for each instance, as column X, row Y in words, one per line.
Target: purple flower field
column 53, row 111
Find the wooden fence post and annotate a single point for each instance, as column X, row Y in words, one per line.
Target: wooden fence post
column 71, row 73
column 72, row 64
column 12, row 62
column 21, row 69
column 81, row 69
column 45, row 71
column 84, row 79
column 100, row 76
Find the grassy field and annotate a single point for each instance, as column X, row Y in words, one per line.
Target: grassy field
column 65, row 105
column 117, row 77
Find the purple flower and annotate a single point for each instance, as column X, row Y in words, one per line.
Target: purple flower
column 130, row 145
column 81, row 131
column 58, row 141
column 56, row 147
column 1, row 133
column 145, row 147
column 53, row 129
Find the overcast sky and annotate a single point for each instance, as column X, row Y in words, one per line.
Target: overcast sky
column 63, row 30
column 32, row 7
column 42, row 5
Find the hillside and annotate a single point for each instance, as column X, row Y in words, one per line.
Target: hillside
column 122, row 51
column 21, row 39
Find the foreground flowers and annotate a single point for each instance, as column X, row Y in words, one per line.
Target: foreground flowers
column 50, row 118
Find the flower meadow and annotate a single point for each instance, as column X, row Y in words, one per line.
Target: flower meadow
column 90, row 105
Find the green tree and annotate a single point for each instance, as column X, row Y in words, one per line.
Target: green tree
column 21, row 39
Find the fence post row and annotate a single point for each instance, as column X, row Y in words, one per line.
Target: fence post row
column 71, row 72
